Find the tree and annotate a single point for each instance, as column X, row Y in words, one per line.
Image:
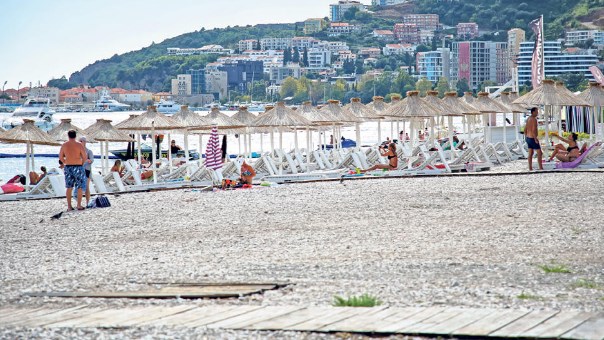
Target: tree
column 442, row 86
column 61, row 83
column 482, row 86
column 350, row 14
column 288, row 87
column 287, row 56
column 462, row 86
column 348, row 67
column 423, row 85
column 305, row 57
column 296, row 55
column 573, row 81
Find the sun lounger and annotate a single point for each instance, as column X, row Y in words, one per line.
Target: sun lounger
column 581, row 161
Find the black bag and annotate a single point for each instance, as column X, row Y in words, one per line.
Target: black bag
column 100, row 201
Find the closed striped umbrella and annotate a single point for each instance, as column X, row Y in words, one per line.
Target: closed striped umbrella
column 213, row 151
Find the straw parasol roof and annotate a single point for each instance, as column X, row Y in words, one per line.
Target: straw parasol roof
column 102, row 130
column 27, row 132
column 457, row 105
column 222, row 121
column 339, row 114
column 281, row 116
column 505, row 100
column 361, row 111
column 59, row 132
column 314, row 115
column 488, row 105
column 412, row 107
column 151, row 120
column 244, row 116
column 378, row 104
column 443, row 108
column 190, row 119
column 549, row 94
column 594, row 95
column 123, row 122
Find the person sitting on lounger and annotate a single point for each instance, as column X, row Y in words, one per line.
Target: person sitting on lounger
column 117, row 167
column 247, row 173
column 34, row 178
column 566, row 154
column 390, row 152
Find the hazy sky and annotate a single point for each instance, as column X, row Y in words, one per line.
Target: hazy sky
column 45, row 39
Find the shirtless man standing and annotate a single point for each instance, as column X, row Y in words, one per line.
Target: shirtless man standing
column 73, row 155
column 531, row 134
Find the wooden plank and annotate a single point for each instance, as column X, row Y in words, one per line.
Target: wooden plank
column 558, row 325
column 466, row 317
column 518, row 327
column 365, row 312
column 87, row 318
column 60, row 315
column 592, row 329
column 375, row 324
column 23, row 312
column 187, row 316
column 169, row 292
column 321, row 321
column 7, row 311
column 266, row 313
column 35, row 318
column 424, row 326
column 239, row 310
column 289, row 320
column 149, row 314
column 491, row 323
column 360, row 323
column 408, row 319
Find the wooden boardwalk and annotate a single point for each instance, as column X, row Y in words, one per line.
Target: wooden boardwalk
column 444, row 321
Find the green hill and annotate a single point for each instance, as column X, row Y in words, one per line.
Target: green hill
column 150, row 68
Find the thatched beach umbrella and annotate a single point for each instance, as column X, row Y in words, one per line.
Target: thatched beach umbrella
column 246, row 118
column 443, row 108
column 594, row 96
column 379, row 106
column 548, row 95
column 152, row 121
column 59, row 132
column 489, row 108
column 316, row 117
column 103, row 131
column 414, row 109
column 362, row 112
column 457, row 108
column 515, row 109
column 29, row 134
column 189, row 120
column 130, row 150
column 281, row 117
column 339, row 115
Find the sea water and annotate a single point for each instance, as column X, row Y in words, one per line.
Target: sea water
column 9, row 167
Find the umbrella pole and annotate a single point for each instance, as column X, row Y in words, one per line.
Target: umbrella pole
column 169, row 153
column 308, row 147
column 296, row 140
column 153, row 152
column 261, row 143
column 451, row 147
column 239, row 144
column 379, row 131
column 546, row 113
column 398, row 128
column 281, row 138
column 107, row 154
column 358, row 134
column 27, row 160
column 32, row 159
column 272, row 140
column 186, row 136
column 391, row 129
column 140, row 154
column 432, row 120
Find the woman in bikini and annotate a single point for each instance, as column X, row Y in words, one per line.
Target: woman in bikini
column 390, row 152
column 566, row 154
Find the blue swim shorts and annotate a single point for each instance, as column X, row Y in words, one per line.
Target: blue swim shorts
column 75, row 176
column 532, row 143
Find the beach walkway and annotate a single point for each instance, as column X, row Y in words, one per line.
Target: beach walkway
column 427, row 321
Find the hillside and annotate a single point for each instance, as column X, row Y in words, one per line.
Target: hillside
column 150, row 68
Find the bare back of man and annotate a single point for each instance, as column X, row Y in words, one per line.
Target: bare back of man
column 72, row 153
column 73, row 156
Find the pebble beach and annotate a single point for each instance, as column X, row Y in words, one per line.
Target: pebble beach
column 464, row 241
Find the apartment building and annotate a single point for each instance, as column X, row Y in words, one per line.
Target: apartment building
column 556, row 62
column 398, row 49
column 407, row 33
column 581, row 36
column 516, row 36
column 479, row 61
column 467, row 30
column 318, row 58
column 208, row 49
column 313, row 25
column 51, row 93
column 383, row 34
column 181, row 86
column 340, row 28
column 279, row 73
column 387, row 2
column 428, row 22
column 434, row 64
column 336, row 11
column 247, row 45
column 275, row 43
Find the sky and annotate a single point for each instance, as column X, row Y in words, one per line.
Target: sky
column 45, row 39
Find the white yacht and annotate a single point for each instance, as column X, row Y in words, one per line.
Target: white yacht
column 167, row 106
column 37, row 109
column 106, row 103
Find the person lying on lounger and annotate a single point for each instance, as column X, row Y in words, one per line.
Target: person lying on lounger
column 566, row 154
column 390, row 152
column 34, row 178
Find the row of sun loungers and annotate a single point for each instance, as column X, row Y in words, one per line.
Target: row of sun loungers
column 300, row 165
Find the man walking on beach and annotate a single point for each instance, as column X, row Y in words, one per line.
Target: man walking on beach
column 73, row 155
column 532, row 139
column 87, row 167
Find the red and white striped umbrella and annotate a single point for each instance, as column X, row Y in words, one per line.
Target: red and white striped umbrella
column 213, row 151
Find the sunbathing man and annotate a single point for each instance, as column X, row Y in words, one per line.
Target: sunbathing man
column 566, row 154
column 392, row 159
column 73, row 155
